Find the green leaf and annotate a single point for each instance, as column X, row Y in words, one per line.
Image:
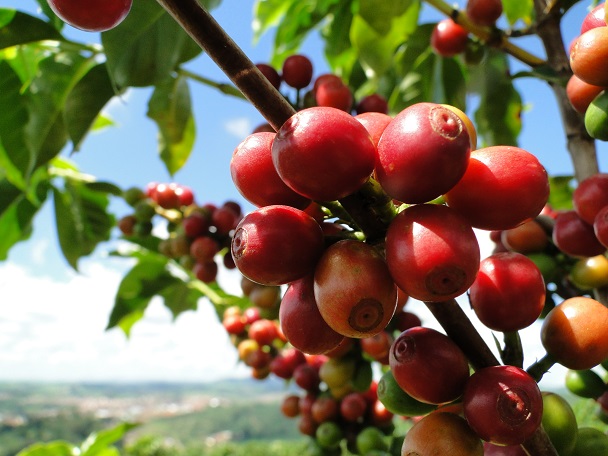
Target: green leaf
column 520, row 10
column 377, row 48
column 48, row 92
column 268, row 14
column 85, row 101
column 17, row 27
column 340, row 54
column 146, row 47
column 82, row 220
column 15, row 156
column 380, row 15
column 104, row 187
column 56, row 448
column 98, row 442
column 48, row 12
column 498, row 118
column 170, row 107
column 562, row 189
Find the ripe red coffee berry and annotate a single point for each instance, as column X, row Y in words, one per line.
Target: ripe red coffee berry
column 503, row 404
column 590, row 196
column 374, row 123
column 275, row 245
column 595, row 18
column 372, row 103
column 428, row 365
column 432, row 252
column 575, row 237
column 315, row 161
column 91, row 15
column 270, row 73
column 255, row 176
column 425, row 139
column 301, row 321
column 297, row 71
column 484, row 12
column 587, row 56
column 334, row 94
column 449, row 38
column 508, row 293
column 354, row 290
column 502, row 187
column 600, row 226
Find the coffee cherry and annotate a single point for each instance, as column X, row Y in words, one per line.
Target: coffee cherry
column 508, row 293
column 449, row 38
column 432, row 252
column 423, row 140
column 594, row 18
column 503, row 404
column 275, row 245
column 559, row 422
column 354, row 290
column 529, row 237
column 442, row 433
column 374, row 123
column 316, row 162
column 255, row 176
column 205, row 271
column 270, row 73
column 575, row 237
column 484, row 12
column 502, row 187
column 581, row 94
column 334, row 94
column 588, row 56
column 574, row 333
column 600, row 226
column 301, row 321
column 91, row 15
column 290, row 407
column 372, row 103
column 590, row 196
column 297, row 71
column 428, row 365
column 398, row 401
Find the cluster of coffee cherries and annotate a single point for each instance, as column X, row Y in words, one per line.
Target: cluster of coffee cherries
column 588, row 59
column 327, row 89
column 356, row 209
column 197, row 234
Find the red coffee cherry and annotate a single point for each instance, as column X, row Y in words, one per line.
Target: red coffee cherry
column 484, row 12
column 502, row 187
column 508, row 293
column 297, row 71
column 428, row 365
column 503, row 405
column 92, row 15
column 575, row 237
column 432, row 252
column 316, row 162
column 275, row 245
column 449, row 38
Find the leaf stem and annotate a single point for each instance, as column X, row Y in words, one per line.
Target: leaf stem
column 541, row 367
column 491, row 35
column 226, row 89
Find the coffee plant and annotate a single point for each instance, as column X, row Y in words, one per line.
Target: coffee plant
column 369, row 187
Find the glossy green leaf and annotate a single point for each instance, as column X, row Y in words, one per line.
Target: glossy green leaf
column 48, row 12
column 56, row 448
column 380, row 16
column 146, row 47
column 377, row 49
column 561, row 191
column 520, row 10
column 46, row 131
column 170, row 107
column 98, row 443
column 340, row 54
column 15, row 156
column 82, row 220
column 498, row 118
column 17, row 27
column 268, row 14
column 85, row 102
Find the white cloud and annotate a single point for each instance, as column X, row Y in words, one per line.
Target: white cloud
column 239, row 127
column 55, row 330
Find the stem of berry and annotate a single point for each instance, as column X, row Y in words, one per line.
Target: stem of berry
column 243, row 73
column 492, row 36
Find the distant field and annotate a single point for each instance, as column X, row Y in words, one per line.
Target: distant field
column 188, row 415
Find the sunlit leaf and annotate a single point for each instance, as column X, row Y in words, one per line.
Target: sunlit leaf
column 146, row 47
column 380, row 16
column 99, row 442
column 85, row 101
column 562, row 189
column 57, row 448
column 170, row 107
column 82, row 220
column 17, row 27
column 520, row 10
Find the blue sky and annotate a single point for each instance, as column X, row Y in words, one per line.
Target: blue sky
column 52, row 325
